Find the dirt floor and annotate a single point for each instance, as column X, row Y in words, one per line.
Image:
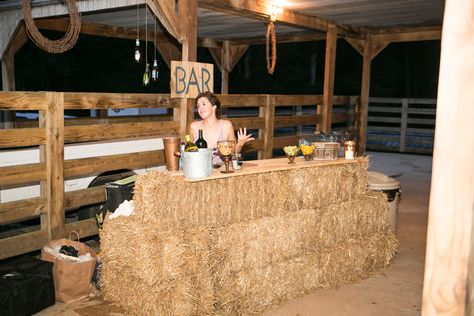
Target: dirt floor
column 395, row 291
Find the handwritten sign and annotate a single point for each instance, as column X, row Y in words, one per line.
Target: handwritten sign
column 188, row 79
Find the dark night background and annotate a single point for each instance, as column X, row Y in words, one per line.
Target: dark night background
column 98, row 64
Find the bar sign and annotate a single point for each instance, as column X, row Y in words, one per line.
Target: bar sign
column 188, row 79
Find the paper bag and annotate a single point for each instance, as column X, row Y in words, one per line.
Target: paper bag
column 72, row 280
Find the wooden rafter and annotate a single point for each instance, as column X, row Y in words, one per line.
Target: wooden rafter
column 259, row 8
column 407, row 34
column 167, row 46
column 165, row 11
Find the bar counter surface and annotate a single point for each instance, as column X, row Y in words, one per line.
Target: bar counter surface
column 266, row 165
column 235, row 244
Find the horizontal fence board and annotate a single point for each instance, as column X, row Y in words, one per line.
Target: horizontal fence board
column 383, row 119
column 383, row 129
column 78, row 198
column 96, row 165
column 427, row 131
column 422, row 111
column 118, row 131
column 16, row 245
column 426, row 121
column 80, row 100
column 343, row 117
column 255, row 145
column 341, row 100
column 280, row 142
column 22, row 137
column 382, row 109
column 248, row 122
column 400, row 100
column 10, row 100
column 283, row 121
column 246, row 100
column 295, row 100
column 21, row 174
column 22, row 209
column 25, row 123
column 84, row 228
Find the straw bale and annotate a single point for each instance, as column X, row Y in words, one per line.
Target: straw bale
column 167, row 201
column 253, row 290
column 160, row 272
column 267, row 240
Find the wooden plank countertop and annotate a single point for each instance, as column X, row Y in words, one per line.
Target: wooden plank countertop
column 268, row 165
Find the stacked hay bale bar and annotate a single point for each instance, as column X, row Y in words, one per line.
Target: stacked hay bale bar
column 240, row 244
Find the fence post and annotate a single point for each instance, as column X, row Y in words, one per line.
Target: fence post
column 403, row 125
column 53, row 154
column 268, row 112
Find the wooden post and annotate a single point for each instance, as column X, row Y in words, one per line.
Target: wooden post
column 403, row 125
column 449, row 280
column 329, row 69
column 268, row 112
column 364, row 95
column 188, row 15
column 225, row 56
column 53, row 154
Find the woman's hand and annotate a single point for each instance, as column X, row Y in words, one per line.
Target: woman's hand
column 243, row 138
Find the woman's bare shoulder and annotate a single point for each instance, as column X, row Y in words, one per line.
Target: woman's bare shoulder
column 225, row 123
column 195, row 124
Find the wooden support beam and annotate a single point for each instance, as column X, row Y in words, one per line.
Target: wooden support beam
column 187, row 10
column 165, row 11
column 268, row 113
column 281, row 39
column 407, row 34
column 226, row 57
column 448, row 287
column 18, row 39
column 364, row 96
column 329, row 71
column 261, row 8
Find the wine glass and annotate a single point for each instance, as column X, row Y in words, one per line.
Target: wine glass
column 226, row 149
column 291, row 152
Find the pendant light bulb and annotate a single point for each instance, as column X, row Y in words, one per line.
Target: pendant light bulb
column 138, row 55
column 154, row 71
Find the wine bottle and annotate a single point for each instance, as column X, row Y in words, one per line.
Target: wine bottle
column 189, row 145
column 201, row 142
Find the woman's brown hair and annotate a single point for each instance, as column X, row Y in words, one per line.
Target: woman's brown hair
column 212, row 99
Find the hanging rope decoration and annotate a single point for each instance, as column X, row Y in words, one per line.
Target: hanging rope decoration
column 271, row 57
column 54, row 46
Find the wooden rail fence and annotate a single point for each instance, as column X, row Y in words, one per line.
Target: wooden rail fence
column 52, row 132
column 401, row 124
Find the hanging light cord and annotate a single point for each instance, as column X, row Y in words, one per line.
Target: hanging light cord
column 154, row 41
column 146, row 35
column 271, row 56
column 54, row 46
column 138, row 19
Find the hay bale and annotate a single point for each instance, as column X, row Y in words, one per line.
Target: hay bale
column 160, row 272
column 167, row 201
column 264, row 241
column 255, row 289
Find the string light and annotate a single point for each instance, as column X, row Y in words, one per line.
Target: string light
column 146, row 74
column 154, row 69
column 137, row 53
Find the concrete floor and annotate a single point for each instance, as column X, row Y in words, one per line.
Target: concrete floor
column 395, row 291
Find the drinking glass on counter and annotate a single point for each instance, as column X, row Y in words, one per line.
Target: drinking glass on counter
column 226, row 149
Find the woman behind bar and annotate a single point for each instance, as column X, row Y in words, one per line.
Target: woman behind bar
column 213, row 127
